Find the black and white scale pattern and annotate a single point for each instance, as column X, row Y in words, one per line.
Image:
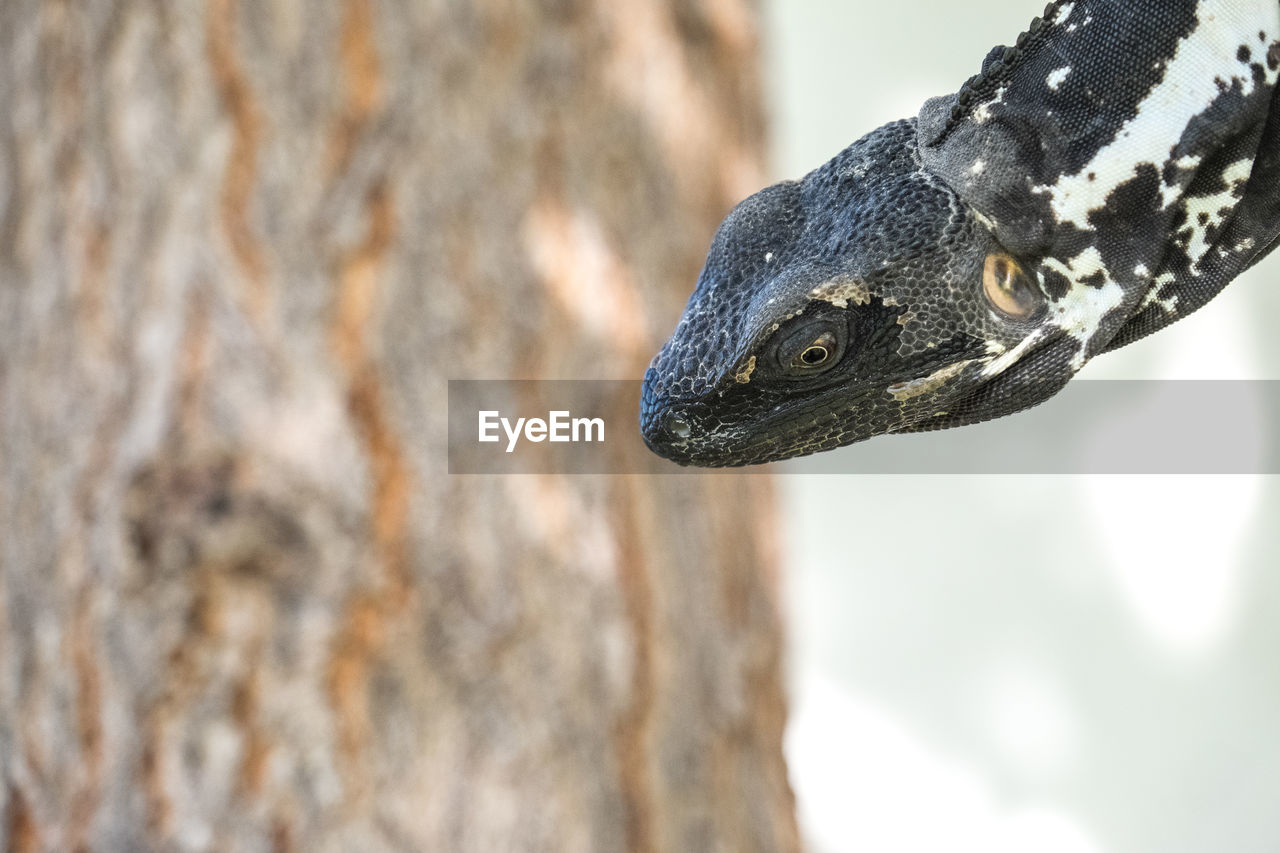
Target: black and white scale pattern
column 1125, row 152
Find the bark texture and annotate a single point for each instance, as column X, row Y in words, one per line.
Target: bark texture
column 242, row 606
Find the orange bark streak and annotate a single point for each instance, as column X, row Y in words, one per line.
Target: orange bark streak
column 362, row 635
column 242, row 168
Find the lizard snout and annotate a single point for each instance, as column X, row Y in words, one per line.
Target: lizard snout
column 665, row 425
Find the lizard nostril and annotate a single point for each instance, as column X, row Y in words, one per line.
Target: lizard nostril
column 678, row 426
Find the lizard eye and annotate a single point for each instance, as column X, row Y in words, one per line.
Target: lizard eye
column 1008, row 288
column 807, row 347
column 820, row 351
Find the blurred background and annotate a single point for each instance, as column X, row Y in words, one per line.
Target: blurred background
column 1052, row 664
column 244, row 605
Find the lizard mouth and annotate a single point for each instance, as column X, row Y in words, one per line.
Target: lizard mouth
column 707, row 434
column 699, row 434
column 727, row 429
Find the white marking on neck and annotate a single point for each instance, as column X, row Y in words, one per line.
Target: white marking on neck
column 1079, row 313
column 1190, row 84
column 1169, row 305
column 983, row 112
column 1008, row 358
column 1169, row 193
column 1215, row 208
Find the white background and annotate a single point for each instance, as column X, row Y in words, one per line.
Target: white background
column 1031, row 664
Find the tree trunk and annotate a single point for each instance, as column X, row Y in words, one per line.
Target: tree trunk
column 242, row 604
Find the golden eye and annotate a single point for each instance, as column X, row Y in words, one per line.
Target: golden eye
column 1007, row 288
column 817, row 353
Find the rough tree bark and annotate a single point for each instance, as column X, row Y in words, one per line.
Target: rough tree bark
column 242, row 606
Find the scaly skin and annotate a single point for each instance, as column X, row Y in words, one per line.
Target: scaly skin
column 1103, row 177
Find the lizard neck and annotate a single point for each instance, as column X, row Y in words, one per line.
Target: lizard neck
column 1090, row 146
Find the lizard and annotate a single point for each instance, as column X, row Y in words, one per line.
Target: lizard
column 1105, row 175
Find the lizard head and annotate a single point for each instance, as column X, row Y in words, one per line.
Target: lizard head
column 864, row 299
column 1068, row 199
